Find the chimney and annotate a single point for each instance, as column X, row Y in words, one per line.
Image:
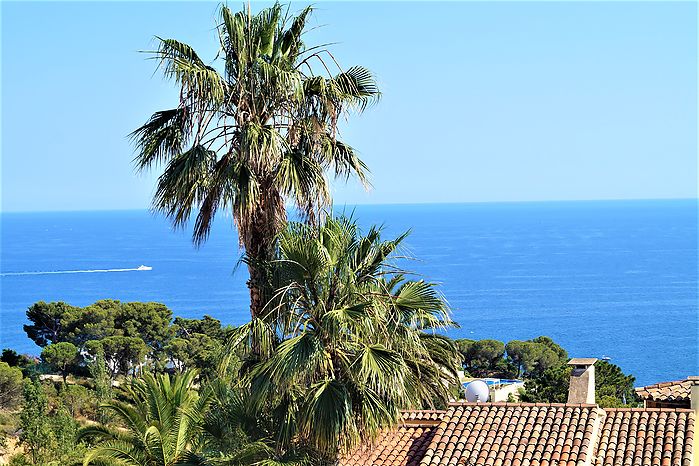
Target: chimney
column 582, row 381
column 694, row 394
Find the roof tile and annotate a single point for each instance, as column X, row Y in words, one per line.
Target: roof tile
column 645, row 437
column 679, row 390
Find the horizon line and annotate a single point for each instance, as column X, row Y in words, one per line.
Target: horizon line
column 370, row 204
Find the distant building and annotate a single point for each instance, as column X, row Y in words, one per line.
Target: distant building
column 675, row 394
column 577, row 433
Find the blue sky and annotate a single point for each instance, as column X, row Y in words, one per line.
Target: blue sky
column 481, row 101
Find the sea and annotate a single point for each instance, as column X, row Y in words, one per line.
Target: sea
column 614, row 279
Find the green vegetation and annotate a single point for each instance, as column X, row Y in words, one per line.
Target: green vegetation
column 48, row 434
column 492, row 358
column 60, row 356
column 162, row 424
column 346, row 341
column 127, row 336
column 10, row 385
column 254, row 133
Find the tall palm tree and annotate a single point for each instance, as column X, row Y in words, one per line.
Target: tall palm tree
column 253, row 129
column 161, row 427
column 346, row 341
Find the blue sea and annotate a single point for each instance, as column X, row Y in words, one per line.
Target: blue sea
column 602, row 278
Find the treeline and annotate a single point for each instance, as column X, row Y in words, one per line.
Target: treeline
column 542, row 363
column 493, row 358
column 130, row 336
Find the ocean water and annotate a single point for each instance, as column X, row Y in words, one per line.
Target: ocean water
column 603, row 278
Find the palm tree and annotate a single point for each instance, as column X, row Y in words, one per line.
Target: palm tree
column 161, row 427
column 254, row 129
column 346, row 341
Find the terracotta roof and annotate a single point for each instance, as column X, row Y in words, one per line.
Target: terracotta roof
column 533, row 434
column 678, row 390
column 646, row 437
column 404, row 446
column 429, row 416
column 512, row 434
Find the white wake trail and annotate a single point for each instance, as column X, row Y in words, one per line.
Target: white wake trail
column 142, row 268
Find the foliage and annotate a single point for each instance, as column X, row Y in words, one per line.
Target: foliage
column 147, row 321
column 107, row 323
column 10, row 386
column 102, row 383
column 49, row 438
column 13, row 359
column 94, row 322
column 162, row 425
column 36, row 431
column 46, row 325
column 253, row 130
column 184, row 328
column 78, row 400
column 197, row 344
column 60, row 356
column 121, row 354
column 613, row 388
column 483, row 358
column 533, row 357
column 549, row 387
column 347, row 341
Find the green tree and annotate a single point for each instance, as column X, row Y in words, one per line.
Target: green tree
column 522, row 355
column 534, row 357
column 163, row 424
column 148, row 321
column 60, row 356
column 613, row 388
column 122, row 354
column 549, row 387
column 36, row 434
column 206, row 326
column 10, row 386
column 46, row 322
column 49, row 438
column 102, row 383
column 256, row 129
column 483, row 358
column 94, row 322
column 12, row 358
column 198, row 351
column 77, row 400
column 347, row 341
column 197, row 344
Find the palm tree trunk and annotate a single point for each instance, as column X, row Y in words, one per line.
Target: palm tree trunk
column 256, row 284
column 267, row 220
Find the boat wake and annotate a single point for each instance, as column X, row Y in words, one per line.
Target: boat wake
column 140, row 268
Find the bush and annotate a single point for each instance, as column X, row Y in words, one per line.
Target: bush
column 79, row 401
column 10, row 386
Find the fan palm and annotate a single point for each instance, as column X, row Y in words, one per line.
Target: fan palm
column 162, row 426
column 347, row 341
column 254, row 129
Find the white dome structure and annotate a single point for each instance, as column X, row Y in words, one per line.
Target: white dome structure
column 477, row 392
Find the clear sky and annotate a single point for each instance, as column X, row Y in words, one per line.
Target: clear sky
column 481, row 101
